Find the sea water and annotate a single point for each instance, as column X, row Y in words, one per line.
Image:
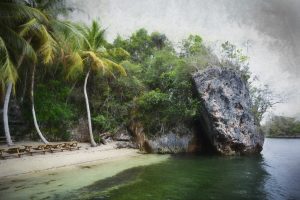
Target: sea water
column 275, row 174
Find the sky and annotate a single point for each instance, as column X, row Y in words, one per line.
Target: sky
column 268, row 31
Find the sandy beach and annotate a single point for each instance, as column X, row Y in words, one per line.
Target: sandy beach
column 39, row 162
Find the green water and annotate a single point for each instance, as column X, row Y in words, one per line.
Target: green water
column 185, row 177
column 59, row 183
column 274, row 174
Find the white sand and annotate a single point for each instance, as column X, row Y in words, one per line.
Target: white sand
column 39, row 162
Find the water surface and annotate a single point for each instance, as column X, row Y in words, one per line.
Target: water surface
column 274, row 174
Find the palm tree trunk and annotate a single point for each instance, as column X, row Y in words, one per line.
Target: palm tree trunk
column 5, row 114
column 33, row 110
column 6, row 103
column 93, row 143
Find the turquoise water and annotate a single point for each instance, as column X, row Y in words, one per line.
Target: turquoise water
column 275, row 174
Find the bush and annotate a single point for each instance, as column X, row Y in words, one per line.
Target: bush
column 54, row 114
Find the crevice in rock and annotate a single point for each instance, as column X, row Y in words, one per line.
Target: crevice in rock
column 203, row 143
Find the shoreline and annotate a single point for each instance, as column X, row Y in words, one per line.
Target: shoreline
column 50, row 161
column 284, row 137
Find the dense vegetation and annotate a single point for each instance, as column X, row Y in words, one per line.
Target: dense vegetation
column 282, row 126
column 62, row 70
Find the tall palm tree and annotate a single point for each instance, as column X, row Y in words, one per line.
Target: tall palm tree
column 12, row 44
column 26, row 28
column 45, row 45
column 91, row 57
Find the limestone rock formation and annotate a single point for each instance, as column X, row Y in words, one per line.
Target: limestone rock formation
column 178, row 140
column 227, row 119
column 170, row 143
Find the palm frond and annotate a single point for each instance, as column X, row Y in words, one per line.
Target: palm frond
column 74, row 65
column 96, row 35
column 114, row 66
column 68, row 35
column 48, row 46
column 7, row 68
column 83, row 30
column 16, row 44
column 118, row 52
column 96, row 62
column 32, row 27
column 10, row 12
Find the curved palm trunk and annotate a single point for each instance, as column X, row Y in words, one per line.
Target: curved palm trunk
column 6, row 103
column 93, row 143
column 33, row 110
column 5, row 114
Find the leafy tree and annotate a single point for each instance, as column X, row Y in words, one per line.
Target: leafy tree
column 169, row 101
column 234, row 58
column 193, row 45
column 141, row 45
column 159, row 40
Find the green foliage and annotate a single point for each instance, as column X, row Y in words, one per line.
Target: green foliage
column 193, row 45
column 159, row 40
column 282, row 126
column 235, row 59
column 114, row 102
column 141, row 45
column 262, row 100
column 90, row 53
column 53, row 112
column 101, row 122
column 169, row 100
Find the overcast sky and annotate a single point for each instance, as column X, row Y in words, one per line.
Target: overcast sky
column 268, row 30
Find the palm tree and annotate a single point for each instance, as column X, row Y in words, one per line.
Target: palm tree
column 21, row 28
column 91, row 56
column 11, row 44
column 46, row 47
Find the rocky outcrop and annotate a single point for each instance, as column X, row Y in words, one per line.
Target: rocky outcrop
column 124, row 139
column 178, row 140
column 226, row 118
column 171, row 143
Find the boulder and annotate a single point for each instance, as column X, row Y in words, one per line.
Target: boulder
column 123, row 135
column 227, row 118
column 170, row 143
column 180, row 139
column 127, row 145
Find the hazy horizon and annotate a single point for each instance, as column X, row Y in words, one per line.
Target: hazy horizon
column 266, row 30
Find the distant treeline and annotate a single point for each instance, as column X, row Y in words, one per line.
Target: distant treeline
column 282, row 126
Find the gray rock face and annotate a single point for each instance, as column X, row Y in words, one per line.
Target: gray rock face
column 226, row 118
column 170, row 143
column 123, row 135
